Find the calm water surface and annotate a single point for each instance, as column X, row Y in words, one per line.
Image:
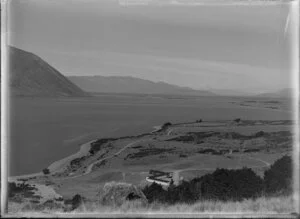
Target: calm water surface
column 45, row 130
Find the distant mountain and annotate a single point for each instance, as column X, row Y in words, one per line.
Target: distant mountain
column 128, row 84
column 284, row 93
column 228, row 92
column 32, row 76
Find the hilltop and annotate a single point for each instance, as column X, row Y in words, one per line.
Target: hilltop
column 30, row 75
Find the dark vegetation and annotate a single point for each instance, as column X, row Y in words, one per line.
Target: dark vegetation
column 252, row 150
column 279, row 137
column 99, row 144
column 212, row 151
column 198, row 137
column 102, row 163
column 46, row 171
column 96, row 146
column 194, row 136
column 144, row 152
column 271, row 101
column 25, row 189
column 77, row 162
column 183, row 138
column 75, row 202
column 17, row 192
column 131, row 196
column 138, row 146
column 225, row 185
column 278, row 179
column 237, row 120
column 164, row 127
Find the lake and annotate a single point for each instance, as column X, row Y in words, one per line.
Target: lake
column 43, row 130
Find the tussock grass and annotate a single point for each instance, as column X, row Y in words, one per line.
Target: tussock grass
column 282, row 204
column 262, row 205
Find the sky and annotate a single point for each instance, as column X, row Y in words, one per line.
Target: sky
column 235, row 47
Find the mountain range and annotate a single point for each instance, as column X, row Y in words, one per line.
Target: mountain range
column 30, row 75
column 128, row 84
column 283, row 93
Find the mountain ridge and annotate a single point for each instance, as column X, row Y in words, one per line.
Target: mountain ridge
column 129, row 84
column 282, row 93
column 30, row 75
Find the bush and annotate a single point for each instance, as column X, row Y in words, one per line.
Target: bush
column 278, row 179
column 227, row 185
column 97, row 145
column 237, row 120
column 155, row 192
column 259, row 134
column 46, row 171
column 166, row 125
column 23, row 189
column 224, row 184
column 76, row 201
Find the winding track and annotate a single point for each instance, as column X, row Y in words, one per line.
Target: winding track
column 90, row 167
column 176, row 172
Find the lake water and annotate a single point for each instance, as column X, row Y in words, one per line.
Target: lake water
column 45, row 130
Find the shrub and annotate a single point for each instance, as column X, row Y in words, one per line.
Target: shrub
column 166, row 125
column 155, row 192
column 224, row 184
column 97, row 145
column 76, row 201
column 278, row 179
column 183, row 193
column 23, row 189
column 237, row 120
column 259, row 134
column 46, row 171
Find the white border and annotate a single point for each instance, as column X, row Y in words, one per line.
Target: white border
column 294, row 23
column 4, row 106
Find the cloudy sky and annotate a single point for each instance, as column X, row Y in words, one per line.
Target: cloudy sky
column 203, row 47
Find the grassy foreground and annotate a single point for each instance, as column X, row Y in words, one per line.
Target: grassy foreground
column 262, row 205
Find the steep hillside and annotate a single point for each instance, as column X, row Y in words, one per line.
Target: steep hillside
column 118, row 84
column 32, row 76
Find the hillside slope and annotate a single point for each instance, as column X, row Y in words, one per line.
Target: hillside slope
column 118, row 84
column 32, row 76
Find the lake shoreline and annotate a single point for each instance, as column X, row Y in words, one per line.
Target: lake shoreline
column 59, row 165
